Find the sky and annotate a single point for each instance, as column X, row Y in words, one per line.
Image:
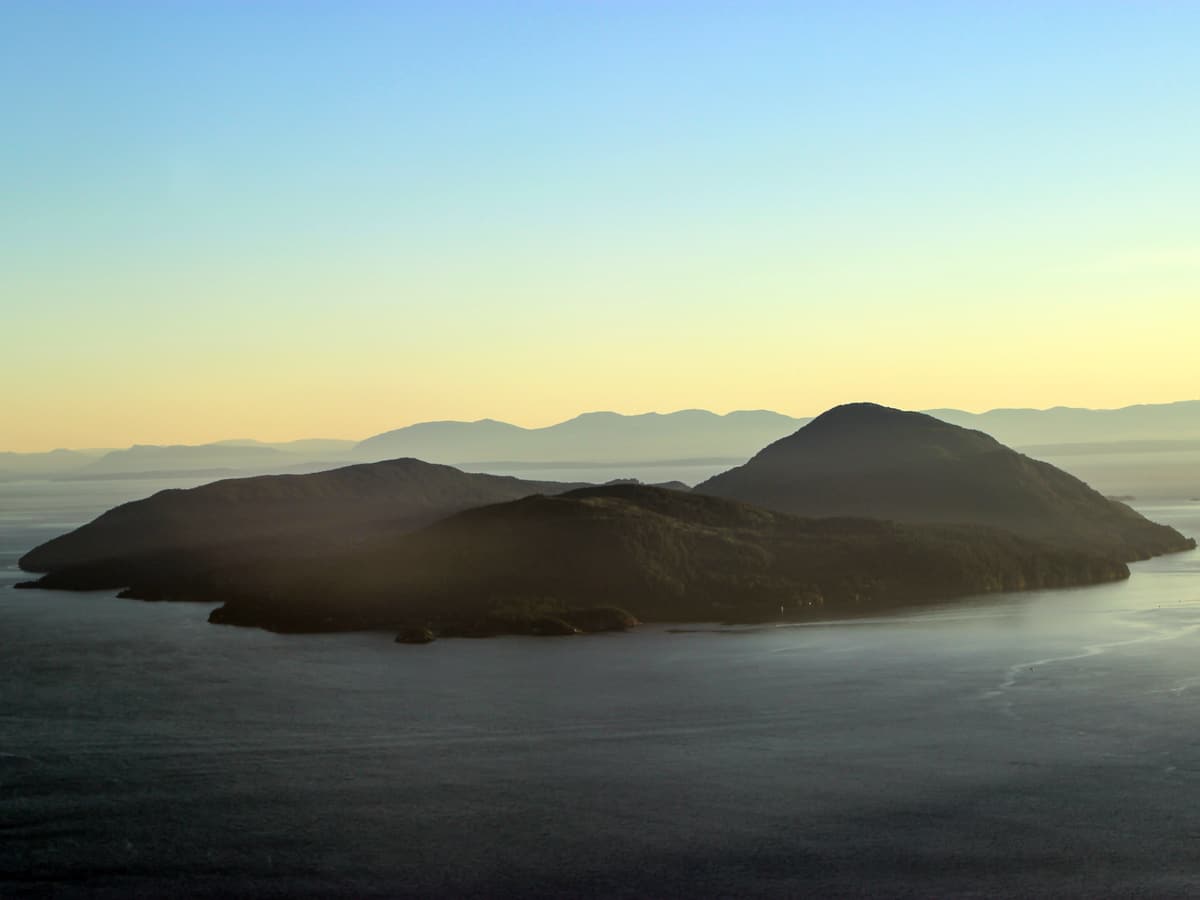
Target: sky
column 284, row 220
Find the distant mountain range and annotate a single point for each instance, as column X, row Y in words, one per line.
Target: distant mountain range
column 183, row 458
column 240, row 457
column 608, row 438
column 696, row 433
column 1068, row 425
column 592, row 437
column 41, row 464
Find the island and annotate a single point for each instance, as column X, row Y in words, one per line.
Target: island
column 865, row 509
column 662, row 555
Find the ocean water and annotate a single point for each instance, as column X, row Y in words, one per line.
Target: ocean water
column 1041, row 744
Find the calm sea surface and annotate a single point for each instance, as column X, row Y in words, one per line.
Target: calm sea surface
column 1038, row 744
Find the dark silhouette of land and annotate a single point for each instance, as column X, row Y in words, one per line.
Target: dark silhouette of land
column 147, row 541
column 867, row 460
column 425, row 547
column 549, row 562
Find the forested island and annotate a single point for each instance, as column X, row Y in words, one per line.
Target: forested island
column 661, row 555
column 863, row 509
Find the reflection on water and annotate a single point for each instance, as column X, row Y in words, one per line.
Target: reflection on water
column 1044, row 743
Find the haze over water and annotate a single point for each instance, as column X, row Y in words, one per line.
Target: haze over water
column 1044, row 743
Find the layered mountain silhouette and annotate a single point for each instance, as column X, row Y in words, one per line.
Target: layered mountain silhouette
column 183, row 458
column 862, row 459
column 688, row 436
column 42, row 464
column 591, row 437
column 1065, row 424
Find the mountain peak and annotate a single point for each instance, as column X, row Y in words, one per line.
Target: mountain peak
column 855, row 435
column 864, row 413
column 863, row 459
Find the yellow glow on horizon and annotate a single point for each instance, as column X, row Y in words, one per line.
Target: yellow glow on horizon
column 629, row 209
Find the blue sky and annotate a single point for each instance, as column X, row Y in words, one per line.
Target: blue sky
column 292, row 219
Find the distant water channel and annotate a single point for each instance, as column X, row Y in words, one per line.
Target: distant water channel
column 1038, row 744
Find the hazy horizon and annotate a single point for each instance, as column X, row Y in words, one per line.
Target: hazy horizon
column 302, row 438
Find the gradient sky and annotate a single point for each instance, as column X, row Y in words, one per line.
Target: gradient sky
column 297, row 219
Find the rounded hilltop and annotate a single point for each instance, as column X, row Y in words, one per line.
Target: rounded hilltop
column 864, row 459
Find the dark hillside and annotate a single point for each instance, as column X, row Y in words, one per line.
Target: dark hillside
column 873, row 461
column 303, row 513
column 661, row 554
